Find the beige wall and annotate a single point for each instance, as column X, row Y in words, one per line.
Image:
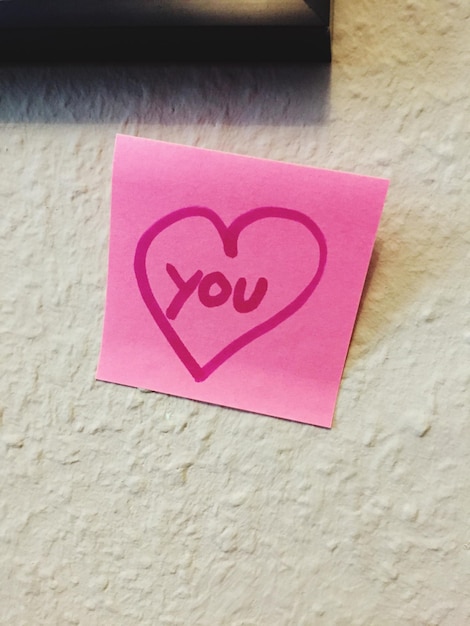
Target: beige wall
column 123, row 508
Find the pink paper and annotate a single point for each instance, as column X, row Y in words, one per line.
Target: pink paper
column 234, row 280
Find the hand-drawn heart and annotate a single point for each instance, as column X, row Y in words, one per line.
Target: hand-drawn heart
column 229, row 236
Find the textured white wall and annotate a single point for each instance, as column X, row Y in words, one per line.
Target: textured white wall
column 119, row 507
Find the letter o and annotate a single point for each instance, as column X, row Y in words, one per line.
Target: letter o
column 204, row 289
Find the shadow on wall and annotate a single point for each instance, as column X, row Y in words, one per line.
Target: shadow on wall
column 408, row 255
column 169, row 95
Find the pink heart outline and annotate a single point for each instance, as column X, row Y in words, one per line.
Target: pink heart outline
column 229, row 236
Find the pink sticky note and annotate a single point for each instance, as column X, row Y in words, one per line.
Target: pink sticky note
column 234, row 280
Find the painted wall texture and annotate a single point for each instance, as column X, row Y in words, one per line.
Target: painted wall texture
column 119, row 507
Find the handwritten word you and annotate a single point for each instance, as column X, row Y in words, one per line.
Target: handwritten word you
column 214, row 289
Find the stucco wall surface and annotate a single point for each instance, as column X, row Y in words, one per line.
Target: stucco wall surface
column 119, row 507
